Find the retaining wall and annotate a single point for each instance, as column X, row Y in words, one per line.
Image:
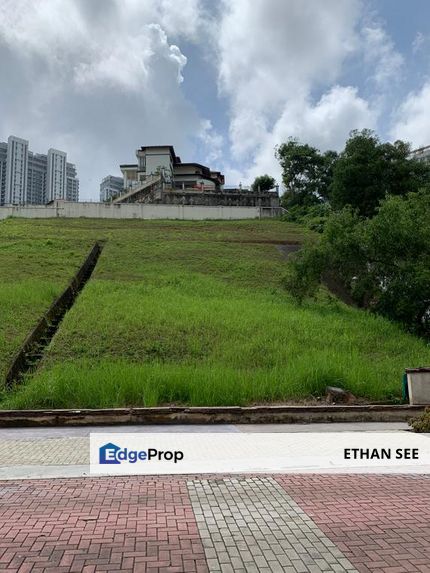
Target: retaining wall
column 208, row 415
column 133, row 211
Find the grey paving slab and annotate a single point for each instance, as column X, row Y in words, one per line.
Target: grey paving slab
column 328, row 427
column 78, row 431
column 24, row 452
column 254, row 525
column 54, row 452
column 69, row 432
column 43, row 472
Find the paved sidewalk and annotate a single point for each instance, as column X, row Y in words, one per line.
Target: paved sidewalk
column 30, row 453
column 381, row 523
column 296, row 524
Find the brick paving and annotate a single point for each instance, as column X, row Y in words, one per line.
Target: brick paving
column 53, row 451
column 252, row 525
column 295, row 523
column 109, row 524
column 380, row 522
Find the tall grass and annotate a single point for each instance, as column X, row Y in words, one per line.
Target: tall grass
column 211, row 344
column 188, row 314
column 32, row 273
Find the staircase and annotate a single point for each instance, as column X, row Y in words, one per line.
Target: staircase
column 140, row 193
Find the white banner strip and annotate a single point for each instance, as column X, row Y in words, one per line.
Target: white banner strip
column 200, row 453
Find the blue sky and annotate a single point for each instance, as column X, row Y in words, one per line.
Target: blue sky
column 224, row 81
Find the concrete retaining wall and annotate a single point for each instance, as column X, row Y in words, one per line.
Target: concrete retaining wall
column 131, row 211
column 208, row 415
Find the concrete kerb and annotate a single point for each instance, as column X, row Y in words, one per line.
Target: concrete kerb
column 208, row 415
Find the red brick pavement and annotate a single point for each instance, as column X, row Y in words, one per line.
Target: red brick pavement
column 98, row 524
column 380, row 523
column 145, row 524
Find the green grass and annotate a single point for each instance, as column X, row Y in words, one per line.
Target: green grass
column 193, row 313
column 33, row 271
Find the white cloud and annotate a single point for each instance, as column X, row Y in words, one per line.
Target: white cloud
column 381, row 54
column 325, row 124
column 101, row 77
column 412, row 119
column 98, row 79
column 418, row 42
column 212, row 140
column 273, row 56
column 128, row 63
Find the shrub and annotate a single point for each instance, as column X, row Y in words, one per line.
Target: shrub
column 383, row 262
column 421, row 424
column 304, row 271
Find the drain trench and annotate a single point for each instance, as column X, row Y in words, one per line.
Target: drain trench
column 32, row 351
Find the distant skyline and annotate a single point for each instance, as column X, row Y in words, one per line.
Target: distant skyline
column 223, row 81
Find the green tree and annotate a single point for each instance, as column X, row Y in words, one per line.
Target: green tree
column 368, row 170
column 383, row 262
column 263, row 183
column 306, row 173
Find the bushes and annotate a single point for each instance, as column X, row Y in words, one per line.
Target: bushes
column 303, row 275
column 421, row 423
column 383, row 262
column 314, row 217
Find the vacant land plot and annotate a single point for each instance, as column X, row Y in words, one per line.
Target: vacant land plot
column 193, row 313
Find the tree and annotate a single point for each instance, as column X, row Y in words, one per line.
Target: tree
column 306, row 173
column 368, row 170
column 383, row 262
column 263, row 183
column 397, row 241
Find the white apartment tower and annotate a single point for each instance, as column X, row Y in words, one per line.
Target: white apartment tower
column 111, row 187
column 72, row 183
column 3, row 163
column 56, row 179
column 16, row 171
column 35, row 178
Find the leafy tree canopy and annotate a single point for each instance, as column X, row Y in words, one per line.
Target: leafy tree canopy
column 368, row 170
column 263, row 183
column 383, row 262
column 306, row 173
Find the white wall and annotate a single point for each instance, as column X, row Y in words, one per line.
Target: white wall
column 129, row 211
column 159, row 159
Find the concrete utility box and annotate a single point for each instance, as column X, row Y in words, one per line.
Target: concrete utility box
column 418, row 385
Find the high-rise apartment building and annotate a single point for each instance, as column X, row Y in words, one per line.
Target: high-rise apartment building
column 35, row 178
column 36, row 182
column 3, row 162
column 56, row 179
column 16, row 171
column 422, row 153
column 110, row 187
column 72, row 183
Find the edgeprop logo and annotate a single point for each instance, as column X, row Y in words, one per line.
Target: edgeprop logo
column 112, row 454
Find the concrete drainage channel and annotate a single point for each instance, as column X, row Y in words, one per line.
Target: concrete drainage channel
column 39, row 338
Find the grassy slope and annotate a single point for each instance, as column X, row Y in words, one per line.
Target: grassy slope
column 193, row 312
column 33, row 271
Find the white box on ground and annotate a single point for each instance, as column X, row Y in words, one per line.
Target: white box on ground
column 418, row 385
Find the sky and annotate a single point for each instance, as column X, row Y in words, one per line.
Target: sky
column 224, row 81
